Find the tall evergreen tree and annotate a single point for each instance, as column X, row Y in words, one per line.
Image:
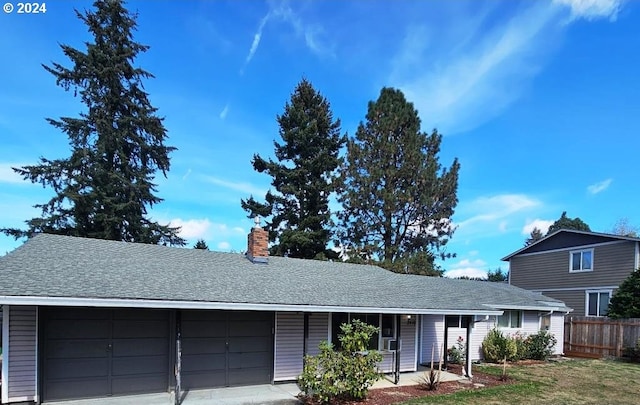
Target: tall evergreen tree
column 625, row 302
column 397, row 198
column 201, row 244
column 534, row 236
column 103, row 190
column 298, row 215
column 565, row 222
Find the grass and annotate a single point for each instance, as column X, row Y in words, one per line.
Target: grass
column 574, row 382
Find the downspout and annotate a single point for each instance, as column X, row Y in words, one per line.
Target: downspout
column 468, row 348
column 446, row 348
column 305, row 337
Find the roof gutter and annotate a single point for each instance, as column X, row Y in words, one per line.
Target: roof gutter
column 528, row 307
column 166, row 304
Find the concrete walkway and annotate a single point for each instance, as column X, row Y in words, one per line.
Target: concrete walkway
column 276, row 394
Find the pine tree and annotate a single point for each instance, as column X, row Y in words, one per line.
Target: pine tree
column 497, row 275
column 201, row 244
column 565, row 222
column 397, row 198
column 625, row 302
column 103, row 190
column 534, row 236
column 299, row 219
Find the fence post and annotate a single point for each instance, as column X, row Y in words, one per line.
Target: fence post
column 620, row 339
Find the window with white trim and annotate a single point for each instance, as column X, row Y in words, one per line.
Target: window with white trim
column 580, row 260
column 597, row 302
column 385, row 322
column 510, row 319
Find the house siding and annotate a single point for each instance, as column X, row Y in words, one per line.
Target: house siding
column 557, row 330
column 318, row 331
column 432, row 330
column 408, row 360
column 289, row 346
column 22, row 351
column 612, row 263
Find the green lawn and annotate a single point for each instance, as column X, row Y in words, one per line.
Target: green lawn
column 569, row 382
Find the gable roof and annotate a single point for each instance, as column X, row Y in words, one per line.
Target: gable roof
column 564, row 238
column 63, row 270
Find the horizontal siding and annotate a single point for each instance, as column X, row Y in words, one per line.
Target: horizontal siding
column 318, row 331
column 22, row 353
column 432, row 330
column 573, row 299
column 611, row 264
column 289, row 346
column 408, row 361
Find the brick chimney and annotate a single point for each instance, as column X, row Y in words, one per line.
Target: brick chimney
column 258, row 244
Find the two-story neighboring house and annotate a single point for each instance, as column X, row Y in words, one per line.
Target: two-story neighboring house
column 583, row 269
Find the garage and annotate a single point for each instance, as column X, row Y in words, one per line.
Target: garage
column 226, row 348
column 98, row 352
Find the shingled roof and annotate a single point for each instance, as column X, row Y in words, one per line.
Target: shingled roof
column 62, row 270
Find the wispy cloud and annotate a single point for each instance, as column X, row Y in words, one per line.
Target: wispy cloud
column 593, row 9
column 224, row 245
column 599, row 187
column 186, row 175
column 458, row 84
column 192, row 228
column 224, row 112
column 495, row 210
column 7, row 175
column 256, row 41
column 541, row 224
column 245, row 188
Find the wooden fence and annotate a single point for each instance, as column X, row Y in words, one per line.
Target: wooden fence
column 599, row 337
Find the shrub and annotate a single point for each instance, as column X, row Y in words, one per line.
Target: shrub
column 522, row 347
column 429, row 380
column 345, row 374
column 540, row 345
column 458, row 352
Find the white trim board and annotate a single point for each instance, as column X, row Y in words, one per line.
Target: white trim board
column 162, row 304
column 606, row 287
column 580, row 247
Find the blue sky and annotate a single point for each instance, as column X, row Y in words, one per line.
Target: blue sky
column 540, row 101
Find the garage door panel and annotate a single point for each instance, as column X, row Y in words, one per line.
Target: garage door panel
column 243, row 377
column 59, row 369
column 139, row 347
column 250, row 344
column 76, row 348
column 203, row 329
column 204, row 379
column 79, row 313
column 138, row 384
column 139, row 365
column 203, row 362
column 203, row 345
column 139, row 328
column 83, row 388
column 250, row 328
column 78, row 329
column 204, row 315
column 137, row 314
column 249, row 360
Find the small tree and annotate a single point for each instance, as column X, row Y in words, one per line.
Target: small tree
column 565, row 222
column 535, row 235
column 625, row 302
column 497, row 275
column 345, row 374
column 201, row 244
column 497, row 347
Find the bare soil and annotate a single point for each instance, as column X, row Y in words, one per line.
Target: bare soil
column 396, row 395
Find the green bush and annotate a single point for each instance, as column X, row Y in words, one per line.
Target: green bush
column 540, row 346
column 522, row 347
column 496, row 346
column 458, row 352
column 345, row 374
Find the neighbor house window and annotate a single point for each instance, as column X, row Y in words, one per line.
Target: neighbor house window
column 581, row 260
column 510, row 319
column 457, row 321
column 598, row 302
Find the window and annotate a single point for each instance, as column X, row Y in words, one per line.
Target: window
column 385, row 322
column 581, row 260
column 457, row 321
column 598, row 302
column 545, row 322
column 510, row 319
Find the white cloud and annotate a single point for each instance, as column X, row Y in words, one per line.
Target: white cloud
column 186, row 174
column 599, row 187
column 592, row 9
column 7, row 175
column 224, row 112
column 192, row 228
column 224, row 246
column 496, row 209
column 256, row 40
column 245, row 188
column 469, row 268
column 541, row 224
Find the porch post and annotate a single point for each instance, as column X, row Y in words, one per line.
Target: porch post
column 468, row 348
column 398, row 350
column 446, row 347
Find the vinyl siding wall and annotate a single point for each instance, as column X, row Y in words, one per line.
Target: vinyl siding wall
column 557, row 329
column 318, row 331
column 432, row 331
column 408, row 359
column 612, row 263
column 21, row 354
column 573, row 299
column 289, row 345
